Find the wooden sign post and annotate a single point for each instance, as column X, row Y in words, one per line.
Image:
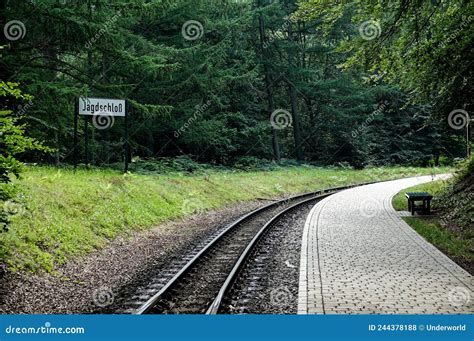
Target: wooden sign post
column 102, row 109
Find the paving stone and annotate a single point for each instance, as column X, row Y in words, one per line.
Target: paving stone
column 359, row 256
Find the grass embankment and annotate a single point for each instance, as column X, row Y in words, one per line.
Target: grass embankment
column 450, row 227
column 70, row 214
column 399, row 202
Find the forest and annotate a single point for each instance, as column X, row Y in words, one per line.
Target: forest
column 234, row 84
column 140, row 136
column 231, row 82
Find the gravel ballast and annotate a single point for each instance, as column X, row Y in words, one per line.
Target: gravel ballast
column 93, row 283
column 268, row 282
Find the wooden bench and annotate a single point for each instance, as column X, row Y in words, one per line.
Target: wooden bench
column 424, row 197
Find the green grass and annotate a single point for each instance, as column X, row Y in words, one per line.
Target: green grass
column 70, row 214
column 458, row 246
column 399, row 202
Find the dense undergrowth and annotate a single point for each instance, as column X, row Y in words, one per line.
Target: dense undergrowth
column 456, row 202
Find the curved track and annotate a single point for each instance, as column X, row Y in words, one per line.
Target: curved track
column 218, row 304
column 200, row 285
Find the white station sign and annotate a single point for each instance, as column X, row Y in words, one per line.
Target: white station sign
column 101, row 106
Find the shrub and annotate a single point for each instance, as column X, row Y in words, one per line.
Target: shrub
column 12, row 143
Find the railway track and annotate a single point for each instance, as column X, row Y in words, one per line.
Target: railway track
column 200, row 286
column 266, row 273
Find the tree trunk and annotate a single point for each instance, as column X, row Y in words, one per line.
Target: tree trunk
column 294, row 112
column 468, row 139
column 307, row 99
column 4, row 71
column 269, row 89
column 57, row 154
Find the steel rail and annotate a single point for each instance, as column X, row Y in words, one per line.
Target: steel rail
column 149, row 304
column 217, row 304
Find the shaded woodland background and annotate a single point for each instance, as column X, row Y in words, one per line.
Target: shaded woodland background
column 355, row 83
